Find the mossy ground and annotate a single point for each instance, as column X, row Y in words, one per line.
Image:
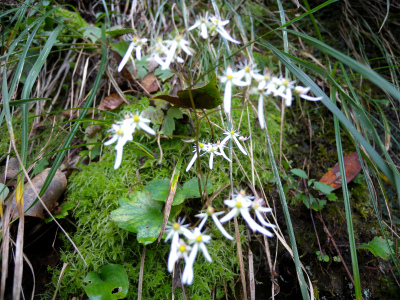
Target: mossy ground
column 97, row 188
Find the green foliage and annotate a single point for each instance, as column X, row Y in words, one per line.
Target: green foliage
column 378, row 247
column 110, row 284
column 3, row 192
column 169, row 122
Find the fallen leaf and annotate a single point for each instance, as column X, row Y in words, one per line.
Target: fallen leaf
column 150, row 82
column 205, row 97
column 56, row 188
column 111, row 102
column 352, row 167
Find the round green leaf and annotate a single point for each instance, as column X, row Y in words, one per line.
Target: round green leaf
column 110, row 284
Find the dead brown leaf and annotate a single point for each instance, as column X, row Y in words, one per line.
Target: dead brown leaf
column 56, row 188
column 111, row 102
column 352, row 168
column 150, row 82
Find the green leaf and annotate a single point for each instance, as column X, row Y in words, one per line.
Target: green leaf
column 163, row 75
column 116, row 32
column 323, row 188
column 155, row 114
column 169, row 122
column 325, row 256
column 110, row 284
column 120, row 47
column 158, row 189
column 140, row 214
column 299, row 173
column 190, row 190
column 316, row 204
column 92, row 33
column 3, row 192
column 378, row 247
column 205, row 97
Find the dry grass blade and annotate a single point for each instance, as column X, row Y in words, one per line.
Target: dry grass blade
column 5, row 249
column 140, row 284
column 19, row 261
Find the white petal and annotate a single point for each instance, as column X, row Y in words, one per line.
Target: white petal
column 187, row 276
column 205, row 252
column 170, row 55
column 195, row 25
column 230, row 203
column 211, row 160
column 261, row 117
column 173, row 257
column 126, row 57
column 205, row 217
column 112, row 140
column 138, row 52
column 220, row 227
column 158, row 60
column 118, row 159
column 262, row 220
column 186, row 232
column 180, row 60
column 229, row 215
column 191, row 162
column 223, row 23
column 237, row 82
column 204, row 33
column 146, row 128
column 239, row 145
column 226, row 35
column 185, row 48
column 227, row 97
column 253, row 225
column 288, row 97
column 309, row 98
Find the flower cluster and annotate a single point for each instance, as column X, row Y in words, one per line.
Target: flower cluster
column 264, row 84
column 216, row 149
column 123, row 132
column 239, row 204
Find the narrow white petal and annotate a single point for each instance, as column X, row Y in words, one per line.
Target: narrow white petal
column 229, row 215
column 226, row 35
column 220, row 227
column 146, row 128
column 112, row 140
column 239, row 145
column 186, row 232
column 187, row 276
column 227, row 97
column 170, row 55
column 288, row 98
column 309, row 98
column 204, row 33
column 185, row 48
column 195, row 25
column 230, row 203
column 261, row 117
column 237, row 82
column 223, row 23
column 224, row 155
column 211, row 160
column 205, row 252
column 253, row 225
column 158, row 60
column 126, row 57
column 262, row 220
column 138, row 52
column 191, row 162
column 203, row 222
column 172, row 258
column 118, row 159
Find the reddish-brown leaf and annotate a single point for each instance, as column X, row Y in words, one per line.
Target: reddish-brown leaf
column 111, row 102
column 150, row 83
column 352, row 168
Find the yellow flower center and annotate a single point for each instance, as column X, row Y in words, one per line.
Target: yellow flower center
column 232, row 132
column 120, row 132
column 201, row 145
column 266, row 78
column 134, row 38
column 238, row 204
column 212, row 149
column 285, row 82
column 255, row 206
column 229, row 76
column 176, row 226
column 247, row 69
column 136, row 118
column 182, row 248
column 198, row 239
column 203, row 20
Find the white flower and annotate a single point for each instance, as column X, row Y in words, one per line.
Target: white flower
column 212, row 149
column 217, row 25
column 202, row 147
column 178, row 251
column 176, row 228
column 157, row 51
column 199, row 240
column 175, row 47
column 302, row 91
column 231, row 135
column 230, row 78
column 122, row 133
column 137, row 120
column 211, row 212
column 137, row 43
column 202, row 22
column 241, row 204
column 259, row 210
column 260, row 112
column 247, row 71
column 284, row 89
